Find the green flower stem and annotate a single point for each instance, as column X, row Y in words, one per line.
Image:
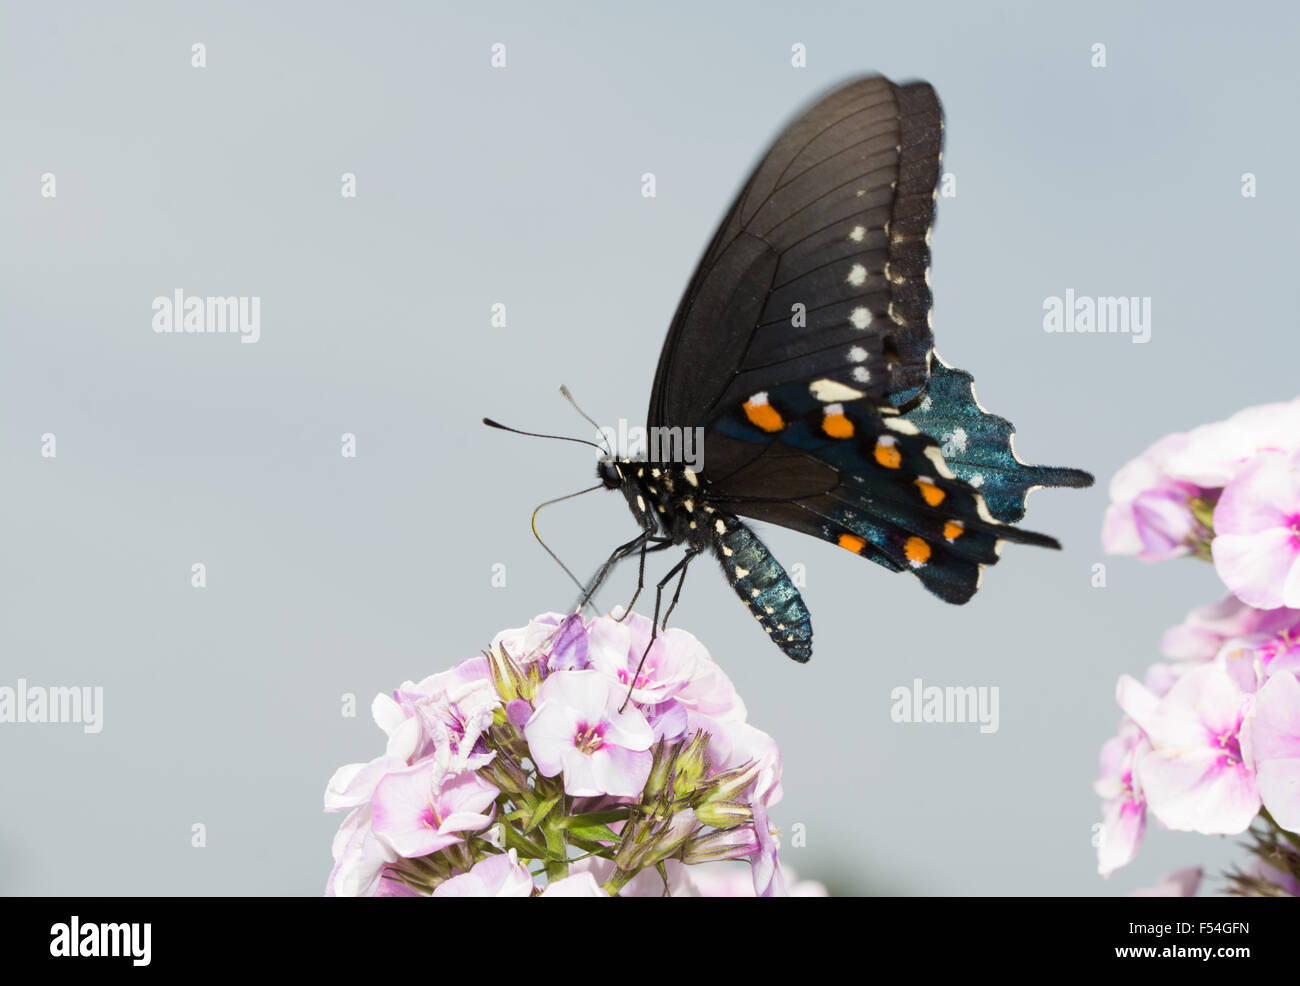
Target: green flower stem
column 556, row 868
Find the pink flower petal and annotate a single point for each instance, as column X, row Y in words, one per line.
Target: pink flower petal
column 1197, row 792
column 1197, row 775
column 1260, row 497
column 1180, row 883
column 1275, row 741
column 1203, row 630
column 1122, row 829
column 496, row 876
column 577, row 885
column 621, row 772
column 1256, row 566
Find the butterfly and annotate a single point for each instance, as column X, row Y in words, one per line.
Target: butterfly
column 803, row 354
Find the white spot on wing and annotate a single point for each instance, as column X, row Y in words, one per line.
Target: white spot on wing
column 831, row 390
column 860, row 318
column 902, row 426
column 857, row 275
column 940, row 466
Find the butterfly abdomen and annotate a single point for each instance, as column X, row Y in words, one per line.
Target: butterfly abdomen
column 763, row 585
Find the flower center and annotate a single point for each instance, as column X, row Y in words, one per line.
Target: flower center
column 589, row 739
column 643, row 679
column 1126, row 785
column 429, row 817
column 1230, row 743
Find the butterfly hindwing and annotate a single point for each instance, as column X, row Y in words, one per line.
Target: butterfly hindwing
column 978, row 446
column 885, row 491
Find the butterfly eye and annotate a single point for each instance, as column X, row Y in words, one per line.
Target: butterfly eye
column 608, row 473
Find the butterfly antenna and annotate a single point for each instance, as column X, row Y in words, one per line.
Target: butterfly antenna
column 569, row 397
column 560, row 499
column 533, row 434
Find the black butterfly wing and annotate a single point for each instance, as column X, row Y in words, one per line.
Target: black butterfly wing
column 819, row 270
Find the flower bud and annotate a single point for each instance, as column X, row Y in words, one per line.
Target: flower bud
column 730, row 785
column 724, row 814
column 504, row 774
column 507, row 676
column 735, row 843
column 534, row 672
column 671, row 836
column 691, row 764
column 630, row 854
column 661, row 770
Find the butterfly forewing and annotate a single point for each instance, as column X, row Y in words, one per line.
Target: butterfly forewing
column 819, row 269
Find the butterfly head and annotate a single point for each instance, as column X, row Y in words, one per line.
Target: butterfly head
column 610, row 472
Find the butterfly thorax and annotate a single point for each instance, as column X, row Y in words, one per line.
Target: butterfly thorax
column 667, row 500
column 672, row 501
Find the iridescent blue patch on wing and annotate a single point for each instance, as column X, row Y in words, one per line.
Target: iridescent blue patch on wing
column 976, row 445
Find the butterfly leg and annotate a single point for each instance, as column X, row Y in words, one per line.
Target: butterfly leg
column 618, row 554
column 680, row 567
column 647, row 546
column 681, row 581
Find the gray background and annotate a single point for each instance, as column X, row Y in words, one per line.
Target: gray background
column 329, row 575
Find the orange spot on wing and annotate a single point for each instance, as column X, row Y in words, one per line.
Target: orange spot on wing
column 887, row 453
column 851, row 542
column 953, row 529
column 929, row 491
column 837, row 426
column 764, row 416
column 917, row 551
